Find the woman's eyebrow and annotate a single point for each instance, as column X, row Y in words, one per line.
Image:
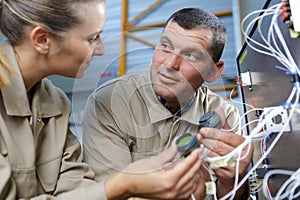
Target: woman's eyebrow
column 95, row 33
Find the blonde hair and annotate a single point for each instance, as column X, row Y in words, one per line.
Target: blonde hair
column 5, row 70
column 57, row 16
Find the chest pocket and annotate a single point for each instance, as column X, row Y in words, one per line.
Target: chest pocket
column 48, row 173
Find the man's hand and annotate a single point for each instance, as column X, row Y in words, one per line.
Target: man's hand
column 220, row 143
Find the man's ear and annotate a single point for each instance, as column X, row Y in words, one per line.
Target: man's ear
column 40, row 39
column 216, row 72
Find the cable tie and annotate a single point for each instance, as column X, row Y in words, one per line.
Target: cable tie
column 296, row 78
column 218, row 162
column 258, row 112
column 295, row 75
column 211, row 188
column 283, row 69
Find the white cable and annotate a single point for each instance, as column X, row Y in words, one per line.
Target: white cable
column 276, row 139
column 274, row 52
column 212, row 178
column 193, row 197
column 249, row 27
column 242, row 117
column 289, row 186
column 253, row 132
column 292, row 101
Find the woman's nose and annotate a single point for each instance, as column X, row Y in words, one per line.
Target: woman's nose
column 99, row 50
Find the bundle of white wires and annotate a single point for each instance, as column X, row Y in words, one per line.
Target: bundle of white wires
column 290, row 188
column 268, row 45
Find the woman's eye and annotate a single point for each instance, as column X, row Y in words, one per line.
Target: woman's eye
column 95, row 39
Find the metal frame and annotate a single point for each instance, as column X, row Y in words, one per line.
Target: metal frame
column 127, row 28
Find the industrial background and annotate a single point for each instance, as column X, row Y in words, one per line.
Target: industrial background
column 133, row 28
column 131, row 31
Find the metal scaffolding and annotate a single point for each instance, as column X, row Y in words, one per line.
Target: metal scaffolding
column 127, row 29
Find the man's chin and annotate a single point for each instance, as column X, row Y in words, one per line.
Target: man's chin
column 164, row 92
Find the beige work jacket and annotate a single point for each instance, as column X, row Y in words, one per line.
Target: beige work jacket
column 125, row 122
column 39, row 156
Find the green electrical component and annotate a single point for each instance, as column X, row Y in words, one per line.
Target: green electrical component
column 186, row 143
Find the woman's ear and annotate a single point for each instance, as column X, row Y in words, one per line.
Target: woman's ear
column 216, row 72
column 40, row 39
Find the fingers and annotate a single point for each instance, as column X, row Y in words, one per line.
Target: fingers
column 181, row 177
column 216, row 141
column 216, row 147
column 222, row 116
column 229, row 138
column 189, row 187
column 191, row 172
column 200, row 191
column 167, row 155
column 188, row 164
column 188, row 167
column 189, row 181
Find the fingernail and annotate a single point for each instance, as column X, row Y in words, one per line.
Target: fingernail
column 203, row 131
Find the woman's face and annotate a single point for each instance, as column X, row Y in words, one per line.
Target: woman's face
column 72, row 55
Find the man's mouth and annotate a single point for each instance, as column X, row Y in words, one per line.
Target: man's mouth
column 165, row 78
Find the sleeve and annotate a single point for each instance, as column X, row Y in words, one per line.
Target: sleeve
column 72, row 175
column 8, row 189
column 104, row 146
column 76, row 179
column 7, row 185
column 93, row 192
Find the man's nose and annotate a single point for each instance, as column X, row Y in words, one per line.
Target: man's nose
column 172, row 60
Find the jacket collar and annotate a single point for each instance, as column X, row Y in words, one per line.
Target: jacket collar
column 15, row 96
column 158, row 112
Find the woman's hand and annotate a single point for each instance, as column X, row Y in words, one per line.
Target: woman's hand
column 158, row 177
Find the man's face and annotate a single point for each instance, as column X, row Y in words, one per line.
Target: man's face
column 181, row 62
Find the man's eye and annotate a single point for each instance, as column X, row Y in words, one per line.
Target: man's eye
column 165, row 46
column 190, row 57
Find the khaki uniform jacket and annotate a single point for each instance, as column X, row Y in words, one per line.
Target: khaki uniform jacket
column 39, row 156
column 125, row 121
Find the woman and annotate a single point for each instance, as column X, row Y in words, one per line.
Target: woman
column 39, row 157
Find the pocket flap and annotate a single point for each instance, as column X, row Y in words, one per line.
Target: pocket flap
column 48, row 173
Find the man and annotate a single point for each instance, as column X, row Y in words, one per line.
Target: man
column 137, row 116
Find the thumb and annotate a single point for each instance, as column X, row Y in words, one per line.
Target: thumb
column 221, row 114
column 169, row 154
